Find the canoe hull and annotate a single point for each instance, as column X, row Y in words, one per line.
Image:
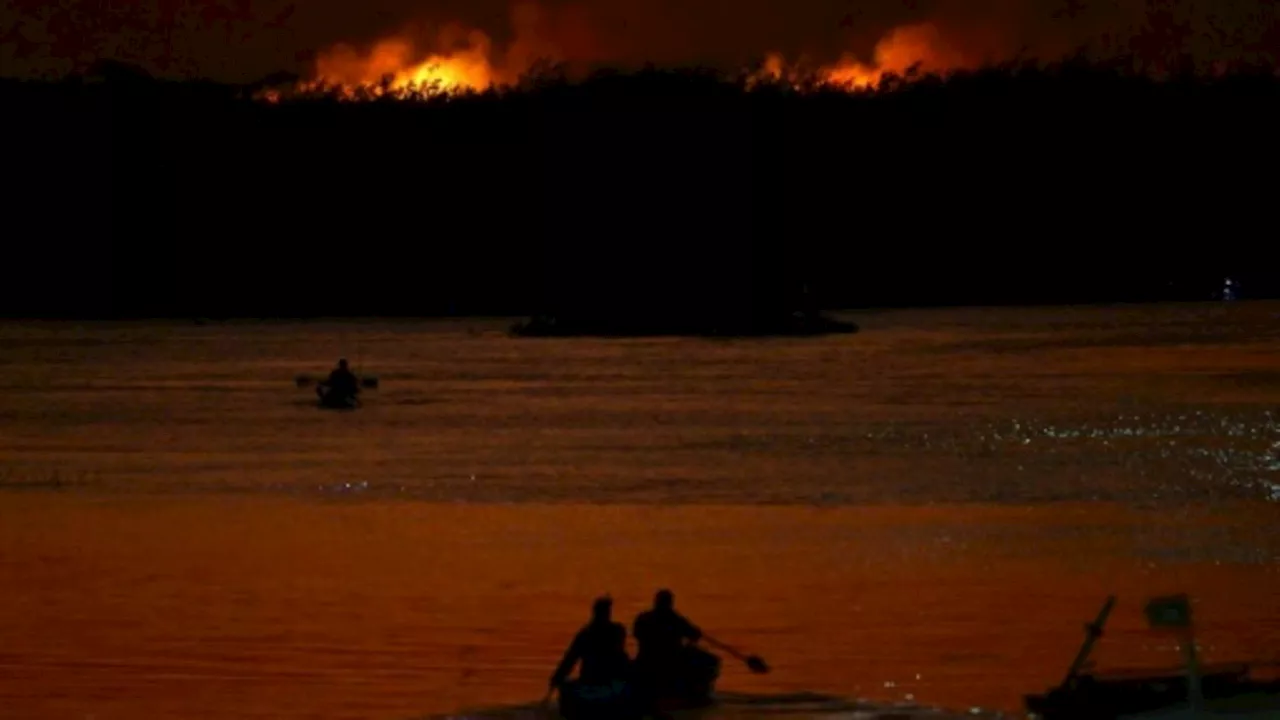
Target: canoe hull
column 581, row 701
column 694, row 687
column 1150, row 695
column 331, row 401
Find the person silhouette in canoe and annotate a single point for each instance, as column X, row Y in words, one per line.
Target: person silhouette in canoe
column 668, row 662
column 601, row 647
column 340, row 388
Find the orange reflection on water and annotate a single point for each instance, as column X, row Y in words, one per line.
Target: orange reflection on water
column 235, row 607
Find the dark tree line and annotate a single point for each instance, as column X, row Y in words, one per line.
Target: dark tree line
column 659, row 194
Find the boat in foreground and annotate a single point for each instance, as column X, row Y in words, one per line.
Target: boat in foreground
column 1203, row 693
column 621, row 700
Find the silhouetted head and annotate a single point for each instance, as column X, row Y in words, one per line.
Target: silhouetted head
column 602, row 609
column 664, row 600
column 342, row 364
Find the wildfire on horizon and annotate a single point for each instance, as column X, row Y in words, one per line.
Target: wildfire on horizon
column 458, row 59
column 920, row 47
column 395, row 66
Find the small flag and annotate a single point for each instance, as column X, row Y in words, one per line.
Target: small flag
column 1169, row 611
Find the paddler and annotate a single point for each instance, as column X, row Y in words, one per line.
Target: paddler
column 341, row 385
column 601, row 647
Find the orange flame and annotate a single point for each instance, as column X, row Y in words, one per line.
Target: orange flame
column 460, row 60
column 910, row 46
column 396, row 66
column 457, row 60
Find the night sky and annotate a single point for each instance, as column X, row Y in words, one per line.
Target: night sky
column 241, row 40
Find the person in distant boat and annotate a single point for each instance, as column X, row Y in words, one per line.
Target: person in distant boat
column 667, row 656
column 601, row 647
column 341, row 385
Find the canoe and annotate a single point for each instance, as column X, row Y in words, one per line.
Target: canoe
column 332, row 401
column 694, row 687
column 586, row 701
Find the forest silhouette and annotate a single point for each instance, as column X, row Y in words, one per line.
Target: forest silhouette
column 644, row 200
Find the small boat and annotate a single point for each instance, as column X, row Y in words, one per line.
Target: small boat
column 336, row 401
column 620, row 700
column 1218, row 691
column 1228, row 690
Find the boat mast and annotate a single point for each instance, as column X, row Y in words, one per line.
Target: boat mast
column 1092, row 632
column 1174, row 611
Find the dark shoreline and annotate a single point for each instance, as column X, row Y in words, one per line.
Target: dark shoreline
column 658, row 193
column 508, row 322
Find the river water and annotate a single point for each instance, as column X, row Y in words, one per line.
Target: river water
column 925, row 512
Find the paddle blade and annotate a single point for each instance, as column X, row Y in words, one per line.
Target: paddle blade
column 302, row 381
column 369, row 381
column 757, row 664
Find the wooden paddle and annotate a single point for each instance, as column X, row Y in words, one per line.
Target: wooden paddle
column 755, row 663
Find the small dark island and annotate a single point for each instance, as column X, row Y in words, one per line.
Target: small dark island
column 797, row 324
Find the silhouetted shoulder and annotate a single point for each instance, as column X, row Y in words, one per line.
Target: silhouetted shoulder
column 642, row 619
